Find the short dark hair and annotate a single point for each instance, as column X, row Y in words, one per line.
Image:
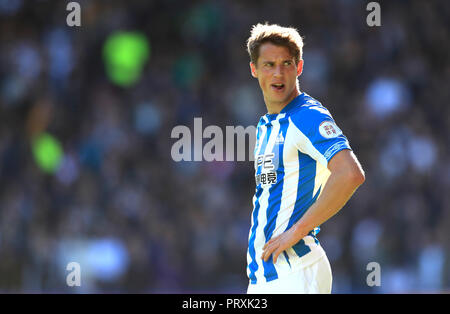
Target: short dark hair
column 277, row 35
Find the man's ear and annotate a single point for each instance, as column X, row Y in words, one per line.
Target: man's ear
column 300, row 67
column 253, row 70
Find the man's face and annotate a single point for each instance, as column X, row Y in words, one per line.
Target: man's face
column 277, row 73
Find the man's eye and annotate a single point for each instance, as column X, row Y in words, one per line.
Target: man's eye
column 268, row 64
column 287, row 63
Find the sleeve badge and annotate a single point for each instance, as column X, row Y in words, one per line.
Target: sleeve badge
column 329, row 129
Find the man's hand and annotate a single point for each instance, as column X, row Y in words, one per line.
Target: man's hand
column 280, row 243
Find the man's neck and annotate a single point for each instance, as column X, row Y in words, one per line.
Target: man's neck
column 275, row 108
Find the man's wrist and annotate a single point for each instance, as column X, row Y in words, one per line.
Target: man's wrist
column 300, row 230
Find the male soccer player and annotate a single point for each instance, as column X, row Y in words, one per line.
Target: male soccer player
column 305, row 171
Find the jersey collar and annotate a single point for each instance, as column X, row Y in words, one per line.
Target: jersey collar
column 294, row 103
column 269, row 117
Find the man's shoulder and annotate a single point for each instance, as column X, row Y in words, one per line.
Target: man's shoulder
column 309, row 112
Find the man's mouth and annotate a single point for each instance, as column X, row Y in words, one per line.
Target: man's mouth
column 277, row 87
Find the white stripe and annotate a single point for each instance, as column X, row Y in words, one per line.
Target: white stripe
column 258, row 145
column 260, row 238
column 322, row 175
column 263, row 129
column 289, row 192
column 290, row 182
column 304, row 145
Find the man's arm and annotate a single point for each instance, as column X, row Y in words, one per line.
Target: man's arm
column 346, row 176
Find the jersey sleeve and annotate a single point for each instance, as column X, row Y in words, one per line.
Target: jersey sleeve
column 317, row 133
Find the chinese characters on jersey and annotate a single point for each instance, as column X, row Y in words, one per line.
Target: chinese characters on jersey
column 268, row 173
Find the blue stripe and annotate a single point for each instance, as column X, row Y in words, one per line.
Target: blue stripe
column 251, row 242
column 251, row 245
column 275, row 192
column 307, row 173
column 287, row 258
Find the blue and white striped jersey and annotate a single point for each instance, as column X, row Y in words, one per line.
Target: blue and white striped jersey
column 291, row 155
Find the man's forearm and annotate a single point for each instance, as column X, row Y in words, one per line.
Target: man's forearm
column 336, row 192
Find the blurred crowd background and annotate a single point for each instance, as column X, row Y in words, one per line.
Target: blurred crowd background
column 86, row 115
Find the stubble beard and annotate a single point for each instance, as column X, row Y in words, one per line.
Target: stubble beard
column 272, row 103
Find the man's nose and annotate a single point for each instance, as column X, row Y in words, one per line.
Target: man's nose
column 278, row 71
